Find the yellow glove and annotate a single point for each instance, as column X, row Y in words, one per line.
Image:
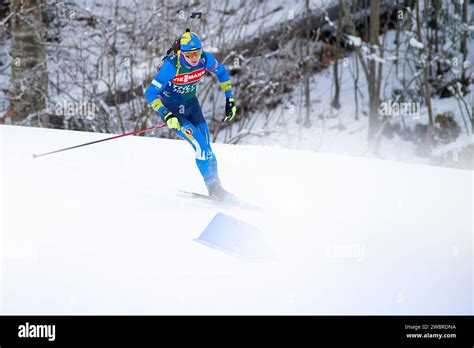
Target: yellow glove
column 230, row 109
column 172, row 121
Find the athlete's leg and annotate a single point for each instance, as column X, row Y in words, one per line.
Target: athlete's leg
column 196, row 118
column 205, row 159
column 195, row 131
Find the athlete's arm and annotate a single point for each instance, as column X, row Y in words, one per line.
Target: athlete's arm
column 215, row 67
column 158, row 84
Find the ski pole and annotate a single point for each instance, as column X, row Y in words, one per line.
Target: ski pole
column 101, row 140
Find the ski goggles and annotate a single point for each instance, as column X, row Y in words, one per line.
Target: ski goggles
column 192, row 54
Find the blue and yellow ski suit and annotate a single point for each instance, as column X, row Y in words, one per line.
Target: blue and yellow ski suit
column 174, row 89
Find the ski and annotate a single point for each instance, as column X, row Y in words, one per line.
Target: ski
column 197, row 195
column 236, row 203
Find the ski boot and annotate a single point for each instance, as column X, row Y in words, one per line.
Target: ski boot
column 218, row 193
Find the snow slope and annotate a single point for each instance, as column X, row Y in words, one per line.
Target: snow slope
column 101, row 230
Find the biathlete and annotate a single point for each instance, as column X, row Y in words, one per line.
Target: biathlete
column 172, row 93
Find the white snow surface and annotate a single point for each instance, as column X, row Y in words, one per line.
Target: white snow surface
column 101, row 230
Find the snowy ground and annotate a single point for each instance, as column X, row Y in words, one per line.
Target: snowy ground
column 101, row 230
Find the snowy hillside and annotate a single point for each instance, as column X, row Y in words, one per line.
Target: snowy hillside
column 103, row 230
column 344, row 130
